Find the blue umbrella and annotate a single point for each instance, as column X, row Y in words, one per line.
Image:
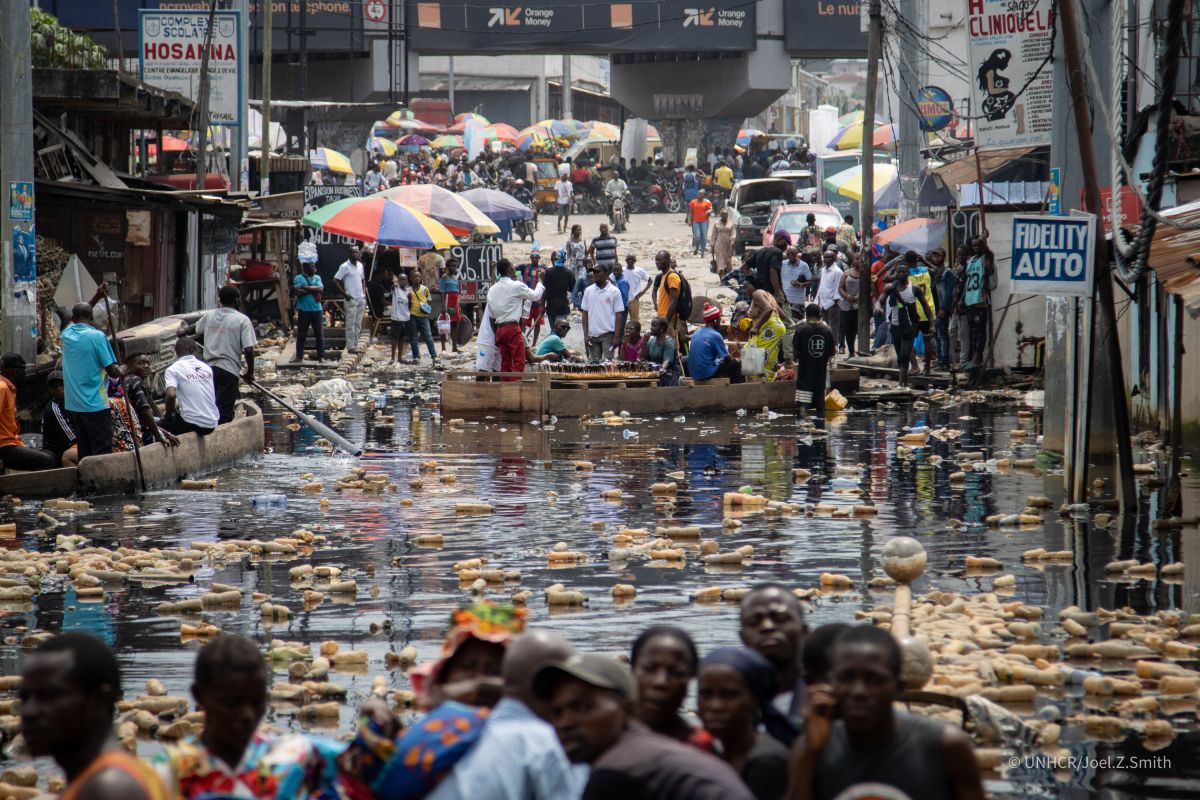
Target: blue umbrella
column 496, row 205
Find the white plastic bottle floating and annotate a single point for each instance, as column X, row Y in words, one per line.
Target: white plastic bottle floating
column 269, row 501
column 842, row 482
column 628, row 434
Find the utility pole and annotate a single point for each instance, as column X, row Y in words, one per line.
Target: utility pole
column 867, row 206
column 239, row 138
column 18, row 323
column 264, row 142
column 910, row 137
column 202, row 127
column 116, row 12
column 1105, row 309
column 450, row 80
column 304, row 75
column 567, row 80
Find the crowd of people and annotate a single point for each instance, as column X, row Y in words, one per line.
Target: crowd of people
column 96, row 405
column 516, row 714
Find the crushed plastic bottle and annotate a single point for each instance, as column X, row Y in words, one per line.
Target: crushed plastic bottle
column 628, row 434
column 680, row 418
column 269, row 501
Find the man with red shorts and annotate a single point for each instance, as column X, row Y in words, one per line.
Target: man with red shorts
column 449, row 287
column 505, row 303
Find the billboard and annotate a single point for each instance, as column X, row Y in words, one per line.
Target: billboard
column 171, row 47
column 489, row 26
column 1053, row 255
column 1012, row 77
column 332, row 25
column 824, row 29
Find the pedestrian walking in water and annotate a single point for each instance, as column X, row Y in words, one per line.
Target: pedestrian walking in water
column 812, row 347
column 900, row 304
column 352, row 282
column 228, row 338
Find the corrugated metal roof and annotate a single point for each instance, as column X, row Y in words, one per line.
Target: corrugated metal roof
column 1175, row 253
column 963, row 171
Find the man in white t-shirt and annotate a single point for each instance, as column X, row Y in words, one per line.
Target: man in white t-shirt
column 639, row 284
column 564, row 192
column 603, row 316
column 401, row 313
column 827, row 291
column 191, row 404
column 351, row 280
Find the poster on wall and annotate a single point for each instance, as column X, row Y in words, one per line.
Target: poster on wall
column 1012, row 75
column 825, row 28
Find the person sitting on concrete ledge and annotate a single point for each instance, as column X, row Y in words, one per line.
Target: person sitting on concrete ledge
column 13, row 452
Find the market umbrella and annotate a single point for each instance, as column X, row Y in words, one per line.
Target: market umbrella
column 170, row 143
column 848, row 183
column 554, row 128
column 851, row 137
column 920, row 234
column 746, row 134
column 501, row 132
column 885, row 136
column 382, row 220
column 446, row 207
column 412, row 140
column 332, row 160
column 856, row 118
column 528, row 140
column 469, row 115
column 652, row 133
column 447, row 140
column 497, row 205
column 380, row 145
column 602, row 130
column 413, row 125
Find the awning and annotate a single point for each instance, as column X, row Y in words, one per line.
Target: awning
column 1017, row 193
column 956, row 173
column 1175, row 253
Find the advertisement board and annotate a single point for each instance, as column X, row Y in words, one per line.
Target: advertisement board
column 171, row 47
column 332, row 248
column 824, row 29
column 1012, row 76
column 488, row 26
column 330, row 25
column 476, row 269
column 1053, row 255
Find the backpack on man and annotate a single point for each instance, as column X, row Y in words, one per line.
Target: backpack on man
column 683, row 306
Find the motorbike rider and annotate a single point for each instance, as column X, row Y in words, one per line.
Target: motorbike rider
column 615, row 189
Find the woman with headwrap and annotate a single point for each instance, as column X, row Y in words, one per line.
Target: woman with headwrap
column 736, row 688
column 458, row 690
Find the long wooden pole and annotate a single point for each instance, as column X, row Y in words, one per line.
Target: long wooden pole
column 1103, row 293
column 136, row 425
column 867, row 206
column 202, row 143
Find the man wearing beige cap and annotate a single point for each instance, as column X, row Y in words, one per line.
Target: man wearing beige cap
column 590, row 700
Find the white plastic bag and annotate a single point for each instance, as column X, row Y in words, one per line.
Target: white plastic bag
column 444, row 324
column 754, row 361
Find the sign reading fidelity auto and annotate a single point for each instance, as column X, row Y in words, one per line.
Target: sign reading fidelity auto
column 1053, row 255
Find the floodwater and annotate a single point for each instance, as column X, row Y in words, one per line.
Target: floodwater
column 406, row 592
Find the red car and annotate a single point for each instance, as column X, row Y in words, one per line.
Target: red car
column 794, row 217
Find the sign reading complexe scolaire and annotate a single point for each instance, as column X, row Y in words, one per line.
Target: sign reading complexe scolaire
column 1053, row 255
column 491, row 26
column 171, row 48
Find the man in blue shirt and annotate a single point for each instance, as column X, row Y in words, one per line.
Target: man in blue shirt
column 618, row 277
column 518, row 755
column 553, row 348
column 708, row 357
column 309, row 294
column 87, row 357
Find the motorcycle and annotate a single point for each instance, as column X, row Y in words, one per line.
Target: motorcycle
column 672, row 195
column 526, row 228
column 618, row 212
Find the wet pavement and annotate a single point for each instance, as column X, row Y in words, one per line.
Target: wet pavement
column 527, row 469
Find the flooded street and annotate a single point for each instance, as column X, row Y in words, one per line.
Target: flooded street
column 529, row 472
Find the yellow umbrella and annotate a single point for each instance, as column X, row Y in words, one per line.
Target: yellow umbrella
column 848, row 183
column 332, row 160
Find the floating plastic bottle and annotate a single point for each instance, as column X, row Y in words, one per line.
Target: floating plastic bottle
column 269, row 501
column 628, row 434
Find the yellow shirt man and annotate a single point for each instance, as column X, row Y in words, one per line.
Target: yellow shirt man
column 723, row 175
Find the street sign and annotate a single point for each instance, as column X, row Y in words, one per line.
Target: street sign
column 171, row 50
column 936, row 107
column 375, row 10
column 1053, row 255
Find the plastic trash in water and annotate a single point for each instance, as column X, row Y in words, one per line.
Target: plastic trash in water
column 628, row 434
column 680, row 418
column 844, row 483
column 741, row 412
column 269, row 501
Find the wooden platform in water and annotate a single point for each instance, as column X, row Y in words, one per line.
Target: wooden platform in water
column 116, row 473
column 467, row 393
